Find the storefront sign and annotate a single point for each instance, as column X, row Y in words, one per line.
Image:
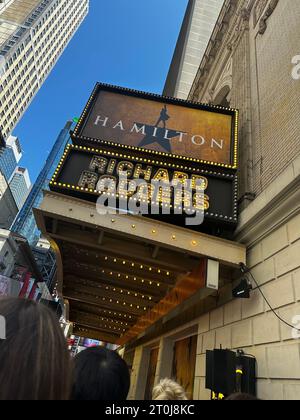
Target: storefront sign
column 159, row 126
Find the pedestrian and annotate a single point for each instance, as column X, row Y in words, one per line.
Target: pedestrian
column 34, row 360
column 168, row 390
column 100, row 375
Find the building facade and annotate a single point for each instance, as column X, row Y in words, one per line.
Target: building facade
column 151, row 270
column 8, row 207
column 19, row 274
column 198, row 24
column 25, row 224
column 248, row 65
column 20, row 186
column 10, row 156
column 33, row 35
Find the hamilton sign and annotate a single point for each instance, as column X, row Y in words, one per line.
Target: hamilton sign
column 159, row 125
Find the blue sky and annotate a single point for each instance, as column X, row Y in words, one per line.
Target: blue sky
column 127, row 43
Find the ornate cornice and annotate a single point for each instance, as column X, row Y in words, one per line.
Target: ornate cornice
column 233, row 21
column 263, row 21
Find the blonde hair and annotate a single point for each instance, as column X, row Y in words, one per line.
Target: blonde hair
column 169, row 390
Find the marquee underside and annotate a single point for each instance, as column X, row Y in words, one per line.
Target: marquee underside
column 120, row 274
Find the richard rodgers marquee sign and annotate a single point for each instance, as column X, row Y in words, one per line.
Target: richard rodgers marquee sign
column 83, row 173
column 159, row 126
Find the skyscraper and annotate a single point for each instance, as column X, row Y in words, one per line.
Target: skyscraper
column 10, row 157
column 25, row 223
column 198, row 25
column 20, row 186
column 33, row 35
column 8, row 207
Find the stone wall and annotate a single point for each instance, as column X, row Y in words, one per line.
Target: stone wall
column 257, row 41
column 251, row 50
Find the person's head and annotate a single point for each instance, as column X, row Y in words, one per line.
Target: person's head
column 34, row 359
column 100, row 375
column 241, row 397
column 168, row 390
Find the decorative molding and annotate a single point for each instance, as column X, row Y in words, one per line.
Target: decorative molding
column 272, row 208
column 258, row 10
column 233, row 22
column 263, row 22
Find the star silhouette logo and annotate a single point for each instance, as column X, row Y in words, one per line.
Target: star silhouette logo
column 157, row 134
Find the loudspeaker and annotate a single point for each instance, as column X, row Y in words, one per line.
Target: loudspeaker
column 242, row 291
column 221, row 371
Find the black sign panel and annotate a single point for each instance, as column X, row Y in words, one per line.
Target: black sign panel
column 83, row 172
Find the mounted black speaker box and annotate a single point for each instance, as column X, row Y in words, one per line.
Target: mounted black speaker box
column 228, row 372
column 221, row 371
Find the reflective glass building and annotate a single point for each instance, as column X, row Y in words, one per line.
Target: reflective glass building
column 25, row 223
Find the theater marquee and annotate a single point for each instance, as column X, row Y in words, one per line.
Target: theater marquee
column 151, row 138
column 82, row 168
column 159, row 126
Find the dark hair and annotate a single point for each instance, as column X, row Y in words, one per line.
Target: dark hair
column 100, row 375
column 241, row 397
column 34, row 360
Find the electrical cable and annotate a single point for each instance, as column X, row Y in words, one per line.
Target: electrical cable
column 245, row 270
